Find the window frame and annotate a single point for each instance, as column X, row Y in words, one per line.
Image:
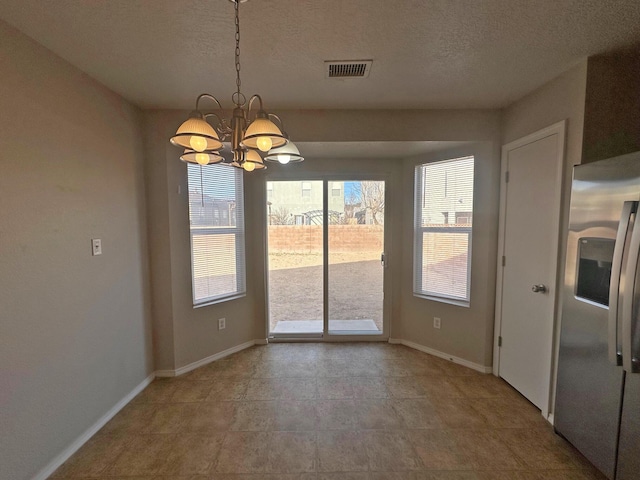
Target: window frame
column 420, row 201
column 238, row 231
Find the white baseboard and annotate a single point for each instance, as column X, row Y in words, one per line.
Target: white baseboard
column 91, row 431
column 261, row 341
column 550, row 418
column 204, row 361
column 446, row 356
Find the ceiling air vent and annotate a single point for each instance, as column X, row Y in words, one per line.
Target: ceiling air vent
column 347, row 69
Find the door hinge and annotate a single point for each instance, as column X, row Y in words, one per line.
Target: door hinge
column 504, row 261
column 499, row 341
column 506, row 176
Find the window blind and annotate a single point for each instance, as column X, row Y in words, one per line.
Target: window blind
column 216, row 217
column 443, row 229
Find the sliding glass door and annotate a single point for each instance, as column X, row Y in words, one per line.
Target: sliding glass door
column 355, row 253
column 295, row 257
column 325, row 244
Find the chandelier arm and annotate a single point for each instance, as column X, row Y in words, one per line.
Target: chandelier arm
column 234, row 128
column 208, row 95
column 211, row 114
column 273, row 115
column 220, row 125
column 284, row 133
column 253, row 97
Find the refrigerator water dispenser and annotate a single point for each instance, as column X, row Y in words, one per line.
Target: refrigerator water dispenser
column 595, row 256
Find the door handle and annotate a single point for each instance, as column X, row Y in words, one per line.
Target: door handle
column 383, row 260
column 539, row 288
column 630, row 361
column 615, row 349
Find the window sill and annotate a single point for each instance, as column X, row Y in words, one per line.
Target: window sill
column 220, row 300
column 450, row 301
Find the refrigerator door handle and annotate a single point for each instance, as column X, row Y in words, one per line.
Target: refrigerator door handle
column 629, row 302
column 615, row 350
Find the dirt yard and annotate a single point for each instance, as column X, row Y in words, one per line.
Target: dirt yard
column 355, row 287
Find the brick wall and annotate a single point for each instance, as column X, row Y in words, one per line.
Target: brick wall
column 308, row 238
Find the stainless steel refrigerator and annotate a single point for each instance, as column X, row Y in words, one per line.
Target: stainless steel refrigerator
column 598, row 389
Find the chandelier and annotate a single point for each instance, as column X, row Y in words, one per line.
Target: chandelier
column 203, row 142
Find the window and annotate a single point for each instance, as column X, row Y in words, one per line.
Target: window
column 335, row 189
column 216, row 216
column 306, row 189
column 442, row 231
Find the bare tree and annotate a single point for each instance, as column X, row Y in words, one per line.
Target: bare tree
column 281, row 216
column 352, row 204
column 372, row 198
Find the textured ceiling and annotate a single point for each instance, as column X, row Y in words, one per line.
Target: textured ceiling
column 426, row 54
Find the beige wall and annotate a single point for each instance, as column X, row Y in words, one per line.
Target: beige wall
column 155, row 173
column 391, row 125
column 408, row 319
column 184, row 335
column 561, row 98
column 465, row 332
column 74, row 330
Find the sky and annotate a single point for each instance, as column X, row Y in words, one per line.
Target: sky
column 351, row 189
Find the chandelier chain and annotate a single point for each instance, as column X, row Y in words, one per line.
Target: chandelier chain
column 202, row 141
column 236, row 4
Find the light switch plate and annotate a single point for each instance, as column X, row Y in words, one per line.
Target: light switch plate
column 96, row 246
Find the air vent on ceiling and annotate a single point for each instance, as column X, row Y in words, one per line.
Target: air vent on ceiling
column 347, row 69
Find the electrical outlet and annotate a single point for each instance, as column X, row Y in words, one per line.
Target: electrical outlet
column 96, row 246
column 436, row 322
column 222, row 323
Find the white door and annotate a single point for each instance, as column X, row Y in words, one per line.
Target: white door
column 530, row 226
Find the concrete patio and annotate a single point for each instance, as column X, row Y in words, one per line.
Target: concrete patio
column 315, row 326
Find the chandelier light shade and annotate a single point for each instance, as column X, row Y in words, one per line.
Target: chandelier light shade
column 246, row 134
column 201, row 158
column 196, row 134
column 253, row 161
column 287, row 153
column 263, row 134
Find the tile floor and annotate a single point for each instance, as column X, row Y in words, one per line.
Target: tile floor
column 358, row 411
